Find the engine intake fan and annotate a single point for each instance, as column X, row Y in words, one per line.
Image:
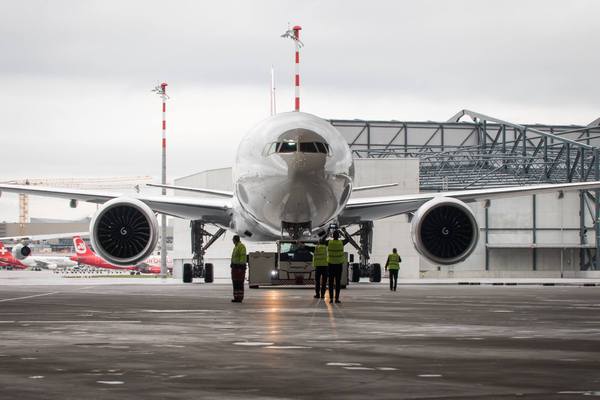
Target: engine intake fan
column 444, row 230
column 124, row 231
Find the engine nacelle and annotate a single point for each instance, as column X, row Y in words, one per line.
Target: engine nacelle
column 124, row 231
column 21, row 251
column 444, row 230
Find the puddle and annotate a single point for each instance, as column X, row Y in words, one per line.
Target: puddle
column 179, row 311
column 253, row 343
column 581, row 392
column 341, row 364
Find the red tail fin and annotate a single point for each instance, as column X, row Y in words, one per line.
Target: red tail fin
column 3, row 251
column 80, row 247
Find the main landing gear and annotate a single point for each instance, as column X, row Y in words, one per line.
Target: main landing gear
column 201, row 241
column 363, row 268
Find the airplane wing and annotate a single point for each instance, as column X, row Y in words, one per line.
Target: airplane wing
column 221, row 193
column 49, row 236
column 217, row 210
column 368, row 209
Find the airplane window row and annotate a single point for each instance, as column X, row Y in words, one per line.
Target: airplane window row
column 303, row 147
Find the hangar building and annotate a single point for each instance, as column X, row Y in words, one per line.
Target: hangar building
column 549, row 235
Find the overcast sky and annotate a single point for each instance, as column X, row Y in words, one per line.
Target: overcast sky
column 76, row 76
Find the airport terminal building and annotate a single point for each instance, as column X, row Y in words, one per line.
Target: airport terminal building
column 543, row 236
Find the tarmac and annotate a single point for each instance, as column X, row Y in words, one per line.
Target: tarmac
column 188, row 341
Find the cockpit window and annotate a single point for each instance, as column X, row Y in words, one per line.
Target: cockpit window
column 292, row 147
column 308, row 147
column 271, row 148
column 322, row 147
column 287, row 147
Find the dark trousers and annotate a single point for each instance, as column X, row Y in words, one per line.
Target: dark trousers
column 335, row 274
column 393, row 278
column 321, row 275
column 238, row 274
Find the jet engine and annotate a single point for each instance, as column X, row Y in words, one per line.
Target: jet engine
column 444, row 230
column 124, row 231
column 21, row 251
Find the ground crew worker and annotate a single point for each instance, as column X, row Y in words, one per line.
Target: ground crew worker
column 238, row 269
column 335, row 259
column 393, row 265
column 321, row 269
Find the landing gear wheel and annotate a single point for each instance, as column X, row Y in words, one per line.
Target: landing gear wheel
column 209, row 273
column 375, row 273
column 355, row 272
column 187, row 273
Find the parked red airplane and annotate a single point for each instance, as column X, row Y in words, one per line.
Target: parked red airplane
column 8, row 260
column 85, row 255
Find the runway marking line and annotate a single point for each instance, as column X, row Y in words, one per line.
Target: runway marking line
column 28, row 297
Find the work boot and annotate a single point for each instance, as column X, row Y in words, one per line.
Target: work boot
column 337, row 301
column 317, row 296
column 330, row 301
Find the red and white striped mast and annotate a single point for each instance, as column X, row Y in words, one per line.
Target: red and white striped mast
column 161, row 90
column 294, row 34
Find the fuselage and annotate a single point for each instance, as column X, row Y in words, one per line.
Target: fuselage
column 47, row 262
column 293, row 175
column 94, row 260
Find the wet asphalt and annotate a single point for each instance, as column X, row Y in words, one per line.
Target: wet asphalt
column 190, row 342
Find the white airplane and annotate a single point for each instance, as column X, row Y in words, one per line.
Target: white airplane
column 48, row 262
column 21, row 258
column 293, row 178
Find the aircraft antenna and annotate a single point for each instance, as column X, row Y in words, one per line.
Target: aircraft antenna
column 294, row 34
column 273, row 98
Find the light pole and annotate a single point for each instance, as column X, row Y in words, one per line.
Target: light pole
column 294, row 34
column 161, row 90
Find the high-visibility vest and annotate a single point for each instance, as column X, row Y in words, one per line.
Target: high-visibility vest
column 320, row 256
column 335, row 250
column 238, row 256
column 393, row 261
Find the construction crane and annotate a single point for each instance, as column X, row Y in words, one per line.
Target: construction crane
column 106, row 183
